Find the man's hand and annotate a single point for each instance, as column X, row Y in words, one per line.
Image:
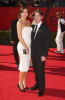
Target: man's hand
column 12, row 42
column 43, row 58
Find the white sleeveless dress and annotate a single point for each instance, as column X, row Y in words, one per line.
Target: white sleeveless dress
column 25, row 58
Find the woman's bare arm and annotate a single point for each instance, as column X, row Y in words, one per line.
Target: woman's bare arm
column 19, row 32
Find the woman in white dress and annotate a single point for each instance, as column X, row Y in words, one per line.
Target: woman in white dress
column 24, row 34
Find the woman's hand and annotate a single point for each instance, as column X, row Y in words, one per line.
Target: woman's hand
column 12, row 42
column 43, row 58
column 27, row 51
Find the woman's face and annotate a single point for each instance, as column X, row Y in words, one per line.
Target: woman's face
column 24, row 13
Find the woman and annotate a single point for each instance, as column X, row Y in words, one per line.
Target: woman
column 24, row 34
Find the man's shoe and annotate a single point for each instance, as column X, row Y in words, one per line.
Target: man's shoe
column 40, row 93
column 57, row 51
column 61, row 53
column 34, row 87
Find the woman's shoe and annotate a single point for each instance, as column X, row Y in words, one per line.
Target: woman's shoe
column 26, row 88
column 20, row 88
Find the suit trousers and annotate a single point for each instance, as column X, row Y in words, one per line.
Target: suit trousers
column 59, row 42
column 39, row 67
column 15, row 53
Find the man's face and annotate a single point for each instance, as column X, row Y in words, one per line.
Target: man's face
column 58, row 16
column 37, row 17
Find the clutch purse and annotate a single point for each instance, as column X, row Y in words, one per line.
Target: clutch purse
column 24, row 51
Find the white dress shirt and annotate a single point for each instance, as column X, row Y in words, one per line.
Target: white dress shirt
column 59, row 26
column 38, row 26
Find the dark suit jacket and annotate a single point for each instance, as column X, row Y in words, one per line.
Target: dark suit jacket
column 40, row 45
column 13, row 31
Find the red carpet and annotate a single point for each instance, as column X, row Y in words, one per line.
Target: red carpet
column 54, row 73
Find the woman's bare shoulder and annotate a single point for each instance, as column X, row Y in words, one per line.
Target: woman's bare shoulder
column 19, row 23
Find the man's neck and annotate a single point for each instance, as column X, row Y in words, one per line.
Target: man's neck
column 38, row 22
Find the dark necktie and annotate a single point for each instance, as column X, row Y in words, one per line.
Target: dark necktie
column 34, row 31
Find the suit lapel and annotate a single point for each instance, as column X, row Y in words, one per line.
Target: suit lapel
column 32, row 28
column 32, row 31
column 39, row 30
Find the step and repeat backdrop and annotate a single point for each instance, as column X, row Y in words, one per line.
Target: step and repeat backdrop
column 7, row 14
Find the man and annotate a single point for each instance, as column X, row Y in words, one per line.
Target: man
column 22, row 2
column 39, row 51
column 60, row 33
column 42, row 3
column 59, row 3
column 14, row 38
column 5, row 3
column 32, row 3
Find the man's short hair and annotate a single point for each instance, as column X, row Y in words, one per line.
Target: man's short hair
column 58, row 13
column 39, row 11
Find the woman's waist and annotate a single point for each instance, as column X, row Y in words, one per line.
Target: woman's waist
column 27, row 43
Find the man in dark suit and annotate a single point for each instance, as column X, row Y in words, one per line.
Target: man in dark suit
column 14, row 38
column 39, row 51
